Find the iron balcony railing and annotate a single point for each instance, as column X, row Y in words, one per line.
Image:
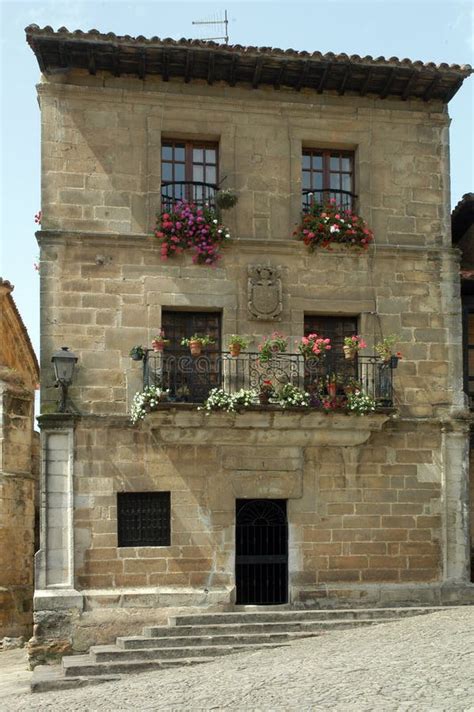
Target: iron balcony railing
column 343, row 198
column 190, row 378
column 199, row 193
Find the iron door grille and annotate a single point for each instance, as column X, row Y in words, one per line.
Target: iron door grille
column 261, row 551
column 144, row 518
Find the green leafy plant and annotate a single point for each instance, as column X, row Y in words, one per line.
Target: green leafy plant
column 226, row 198
column 137, row 353
column 274, row 344
column 360, row 403
column 203, row 340
column 237, row 340
column 290, row 396
column 219, row 399
column 384, row 348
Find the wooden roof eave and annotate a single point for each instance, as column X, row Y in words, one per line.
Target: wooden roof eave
column 212, row 63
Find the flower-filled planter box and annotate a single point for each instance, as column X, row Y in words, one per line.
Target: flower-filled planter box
column 326, row 225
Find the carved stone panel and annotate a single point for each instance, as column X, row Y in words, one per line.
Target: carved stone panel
column 264, row 293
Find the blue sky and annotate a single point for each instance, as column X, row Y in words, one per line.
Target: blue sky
column 439, row 31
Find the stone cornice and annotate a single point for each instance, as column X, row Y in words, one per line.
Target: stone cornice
column 107, row 239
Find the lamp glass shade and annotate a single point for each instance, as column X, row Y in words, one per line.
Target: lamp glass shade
column 63, row 363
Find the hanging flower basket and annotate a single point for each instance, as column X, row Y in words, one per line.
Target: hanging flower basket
column 190, row 228
column 326, row 225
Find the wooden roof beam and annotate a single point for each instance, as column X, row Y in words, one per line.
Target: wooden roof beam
column 388, row 83
column 142, row 65
column 210, row 68
column 279, row 80
column 345, row 79
column 233, row 70
column 165, row 63
column 91, row 61
column 63, row 54
column 257, row 72
column 303, row 75
column 408, row 85
column 323, row 80
column 116, row 62
column 453, row 91
column 431, row 87
column 368, row 77
column 188, row 71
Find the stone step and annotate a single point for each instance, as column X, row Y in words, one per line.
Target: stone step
column 141, row 642
column 306, row 627
column 113, row 654
column 200, row 638
column 272, row 616
column 80, row 666
column 49, row 677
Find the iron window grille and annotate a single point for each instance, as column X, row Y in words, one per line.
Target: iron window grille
column 144, row 518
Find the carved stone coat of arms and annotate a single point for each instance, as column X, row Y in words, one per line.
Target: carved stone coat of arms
column 264, row 293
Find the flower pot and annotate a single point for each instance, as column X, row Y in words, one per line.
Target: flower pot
column 137, row 357
column 264, row 398
column 157, row 345
column 394, row 361
column 235, row 349
column 332, row 390
column 349, row 353
column 195, row 347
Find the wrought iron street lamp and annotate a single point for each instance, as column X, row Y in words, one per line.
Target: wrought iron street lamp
column 63, row 363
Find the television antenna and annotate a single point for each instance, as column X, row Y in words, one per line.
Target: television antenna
column 217, row 22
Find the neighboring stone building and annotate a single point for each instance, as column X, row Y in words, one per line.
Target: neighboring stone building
column 139, row 520
column 462, row 224
column 19, row 466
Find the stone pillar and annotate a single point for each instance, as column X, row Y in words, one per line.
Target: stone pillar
column 456, row 502
column 56, row 602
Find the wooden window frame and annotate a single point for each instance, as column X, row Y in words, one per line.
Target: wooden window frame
column 327, row 154
column 174, row 190
column 189, row 162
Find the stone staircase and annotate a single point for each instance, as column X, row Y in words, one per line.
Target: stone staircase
column 200, row 638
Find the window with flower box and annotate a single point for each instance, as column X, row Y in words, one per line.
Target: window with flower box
column 328, row 174
column 189, row 171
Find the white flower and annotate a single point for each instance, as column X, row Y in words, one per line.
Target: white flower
column 215, row 222
column 227, row 235
column 334, row 228
column 219, row 232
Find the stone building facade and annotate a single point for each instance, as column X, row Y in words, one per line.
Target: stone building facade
column 375, row 506
column 19, row 469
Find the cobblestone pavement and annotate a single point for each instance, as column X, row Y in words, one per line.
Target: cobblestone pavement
column 423, row 663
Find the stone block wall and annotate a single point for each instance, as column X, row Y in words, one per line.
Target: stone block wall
column 17, row 509
column 365, row 513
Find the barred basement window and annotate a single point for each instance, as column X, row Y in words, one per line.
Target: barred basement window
column 144, row 518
